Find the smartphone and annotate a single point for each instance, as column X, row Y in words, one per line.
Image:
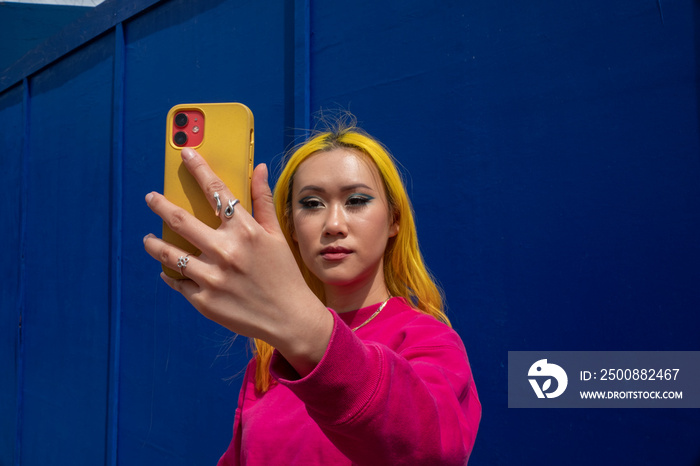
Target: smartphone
column 223, row 134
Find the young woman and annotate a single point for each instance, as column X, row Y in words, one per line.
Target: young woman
column 355, row 360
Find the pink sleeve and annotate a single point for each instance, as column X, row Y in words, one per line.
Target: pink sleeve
column 419, row 406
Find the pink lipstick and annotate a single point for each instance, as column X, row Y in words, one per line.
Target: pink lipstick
column 335, row 253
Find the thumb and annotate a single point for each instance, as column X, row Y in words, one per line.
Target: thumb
column 263, row 204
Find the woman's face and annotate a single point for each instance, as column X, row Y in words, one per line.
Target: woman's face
column 341, row 218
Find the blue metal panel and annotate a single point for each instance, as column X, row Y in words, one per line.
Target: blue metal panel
column 553, row 150
column 66, row 319
column 11, row 293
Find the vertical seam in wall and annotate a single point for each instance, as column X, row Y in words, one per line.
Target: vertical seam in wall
column 307, row 66
column 116, row 217
column 302, row 65
column 21, row 298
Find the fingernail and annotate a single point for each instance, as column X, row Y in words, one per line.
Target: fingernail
column 146, row 237
column 149, row 196
column 187, row 153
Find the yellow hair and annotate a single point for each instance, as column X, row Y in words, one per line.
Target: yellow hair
column 405, row 272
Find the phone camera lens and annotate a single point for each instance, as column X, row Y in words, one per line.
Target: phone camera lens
column 180, row 138
column 180, row 120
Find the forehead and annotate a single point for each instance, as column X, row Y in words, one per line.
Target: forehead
column 336, row 168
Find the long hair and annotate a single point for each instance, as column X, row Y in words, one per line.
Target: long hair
column 405, row 272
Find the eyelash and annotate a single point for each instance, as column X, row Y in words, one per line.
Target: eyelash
column 309, row 203
column 354, row 202
column 358, row 201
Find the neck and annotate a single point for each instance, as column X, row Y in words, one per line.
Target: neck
column 348, row 298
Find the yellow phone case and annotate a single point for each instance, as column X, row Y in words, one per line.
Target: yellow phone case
column 227, row 146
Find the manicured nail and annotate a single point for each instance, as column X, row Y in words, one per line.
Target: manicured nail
column 149, row 196
column 187, row 153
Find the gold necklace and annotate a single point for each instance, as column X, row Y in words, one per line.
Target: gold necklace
column 379, row 309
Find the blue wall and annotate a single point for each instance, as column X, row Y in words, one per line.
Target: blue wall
column 553, row 157
column 24, row 26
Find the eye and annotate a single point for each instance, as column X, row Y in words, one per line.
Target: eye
column 358, row 200
column 310, row 203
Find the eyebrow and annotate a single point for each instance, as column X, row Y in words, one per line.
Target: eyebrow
column 318, row 189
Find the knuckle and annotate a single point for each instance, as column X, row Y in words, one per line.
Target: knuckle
column 196, row 163
column 165, row 256
column 177, row 220
column 248, row 232
column 214, row 185
column 215, row 281
column 228, row 256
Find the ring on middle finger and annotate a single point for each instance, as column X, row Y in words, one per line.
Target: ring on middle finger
column 228, row 213
column 218, row 203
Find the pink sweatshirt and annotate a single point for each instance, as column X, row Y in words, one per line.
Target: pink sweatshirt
column 398, row 391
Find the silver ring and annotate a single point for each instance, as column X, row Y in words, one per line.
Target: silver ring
column 182, row 263
column 218, row 204
column 228, row 213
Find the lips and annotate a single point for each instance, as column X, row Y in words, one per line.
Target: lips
column 335, row 253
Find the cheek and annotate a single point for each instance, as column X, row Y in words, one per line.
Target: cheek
column 378, row 226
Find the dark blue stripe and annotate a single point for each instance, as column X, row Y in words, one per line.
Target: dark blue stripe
column 117, row 203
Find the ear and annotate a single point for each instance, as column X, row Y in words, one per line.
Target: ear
column 394, row 229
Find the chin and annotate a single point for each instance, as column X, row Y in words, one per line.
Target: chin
column 343, row 279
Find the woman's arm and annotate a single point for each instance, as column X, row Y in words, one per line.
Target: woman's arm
column 415, row 406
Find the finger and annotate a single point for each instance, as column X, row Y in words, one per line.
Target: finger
column 171, row 257
column 205, row 176
column 186, row 287
column 263, row 203
column 179, row 220
column 162, row 251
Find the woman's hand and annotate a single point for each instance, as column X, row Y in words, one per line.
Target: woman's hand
column 246, row 278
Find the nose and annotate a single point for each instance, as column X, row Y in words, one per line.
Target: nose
column 336, row 223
